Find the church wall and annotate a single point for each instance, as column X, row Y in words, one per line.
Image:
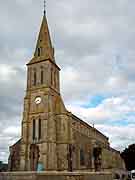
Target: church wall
column 22, row 156
column 51, row 156
column 44, row 111
column 88, row 138
column 43, row 154
column 63, row 137
column 111, row 159
column 89, row 131
column 107, row 159
column 62, row 157
column 37, row 69
column 14, row 158
column 55, row 176
column 62, row 124
column 50, row 74
column 83, row 144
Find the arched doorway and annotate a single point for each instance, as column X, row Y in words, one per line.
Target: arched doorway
column 34, row 156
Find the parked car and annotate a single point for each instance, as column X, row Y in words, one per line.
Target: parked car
column 133, row 175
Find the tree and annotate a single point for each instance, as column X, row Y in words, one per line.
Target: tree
column 129, row 157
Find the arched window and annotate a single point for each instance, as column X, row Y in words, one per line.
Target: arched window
column 35, row 77
column 82, row 158
column 34, row 129
column 42, row 75
column 39, row 129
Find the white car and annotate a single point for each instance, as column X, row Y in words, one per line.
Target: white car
column 133, row 175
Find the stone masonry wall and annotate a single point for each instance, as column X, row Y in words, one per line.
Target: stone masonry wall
column 55, row 176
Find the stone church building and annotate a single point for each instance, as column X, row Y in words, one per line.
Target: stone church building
column 54, row 139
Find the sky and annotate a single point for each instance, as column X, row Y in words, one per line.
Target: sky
column 94, row 47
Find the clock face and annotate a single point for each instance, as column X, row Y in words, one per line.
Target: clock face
column 38, row 100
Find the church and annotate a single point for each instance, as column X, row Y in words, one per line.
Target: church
column 52, row 138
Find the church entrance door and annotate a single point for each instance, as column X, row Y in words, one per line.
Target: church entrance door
column 34, row 156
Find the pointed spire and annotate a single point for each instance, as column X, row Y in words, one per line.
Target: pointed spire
column 44, row 49
column 44, row 45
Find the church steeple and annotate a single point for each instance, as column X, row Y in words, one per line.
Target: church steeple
column 44, row 45
column 44, row 49
column 42, row 69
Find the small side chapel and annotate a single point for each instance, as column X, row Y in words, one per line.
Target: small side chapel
column 52, row 138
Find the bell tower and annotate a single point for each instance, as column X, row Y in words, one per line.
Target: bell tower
column 46, row 122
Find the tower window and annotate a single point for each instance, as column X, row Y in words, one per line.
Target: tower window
column 42, row 75
column 34, row 129
column 35, row 77
column 39, row 129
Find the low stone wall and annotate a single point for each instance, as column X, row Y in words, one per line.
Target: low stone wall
column 55, row 176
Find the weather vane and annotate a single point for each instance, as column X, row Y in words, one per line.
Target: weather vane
column 44, row 7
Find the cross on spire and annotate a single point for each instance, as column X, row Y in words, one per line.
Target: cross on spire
column 44, row 7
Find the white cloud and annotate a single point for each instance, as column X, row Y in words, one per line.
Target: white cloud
column 12, row 131
column 120, row 137
column 110, row 110
column 6, row 72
